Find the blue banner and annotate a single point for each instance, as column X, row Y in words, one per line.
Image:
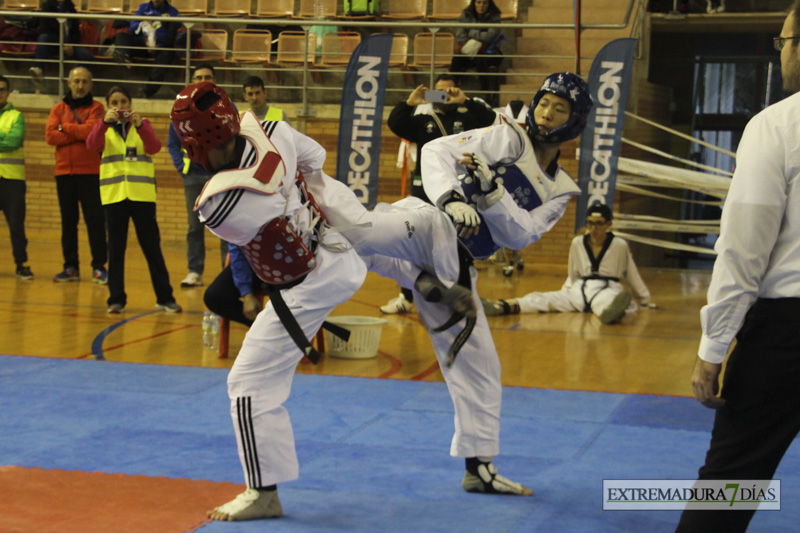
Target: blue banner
column 361, row 118
column 609, row 79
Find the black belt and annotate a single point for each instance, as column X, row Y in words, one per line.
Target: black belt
column 465, row 260
column 290, row 323
column 587, row 304
column 295, row 331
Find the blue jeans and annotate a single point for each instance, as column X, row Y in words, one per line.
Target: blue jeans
column 195, row 236
column 45, row 51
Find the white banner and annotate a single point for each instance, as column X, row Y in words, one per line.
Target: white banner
column 665, row 244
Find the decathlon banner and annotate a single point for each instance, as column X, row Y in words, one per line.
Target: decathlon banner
column 362, row 117
column 608, row 80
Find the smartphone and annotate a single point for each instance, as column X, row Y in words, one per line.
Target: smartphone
column 436, row 97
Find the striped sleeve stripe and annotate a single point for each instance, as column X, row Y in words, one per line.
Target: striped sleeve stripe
column 249, row 159
column 245, row 419
column 231, row 198
column 269, row 127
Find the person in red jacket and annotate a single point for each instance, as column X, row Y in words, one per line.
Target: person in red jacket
column 78, row 175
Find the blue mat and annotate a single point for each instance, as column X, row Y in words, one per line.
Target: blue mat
column 373, row 453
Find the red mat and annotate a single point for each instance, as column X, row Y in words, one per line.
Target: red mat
column 33, row 499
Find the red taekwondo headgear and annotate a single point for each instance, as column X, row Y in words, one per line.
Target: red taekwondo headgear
column 204, row 118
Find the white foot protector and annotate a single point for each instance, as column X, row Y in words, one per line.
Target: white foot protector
column 488, row 481
column 249, row 505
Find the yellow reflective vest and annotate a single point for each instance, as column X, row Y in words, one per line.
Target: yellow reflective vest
column 12, row 164
column 126, row 172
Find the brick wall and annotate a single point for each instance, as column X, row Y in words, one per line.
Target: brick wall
column 43, row 218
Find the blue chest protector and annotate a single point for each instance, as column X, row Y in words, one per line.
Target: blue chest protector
column 517, row 184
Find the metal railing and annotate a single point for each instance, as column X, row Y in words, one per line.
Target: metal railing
column 309, row 73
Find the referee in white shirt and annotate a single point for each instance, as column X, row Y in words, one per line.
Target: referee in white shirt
column 755, row 296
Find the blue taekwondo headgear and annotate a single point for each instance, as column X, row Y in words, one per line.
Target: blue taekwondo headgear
column 573, row 88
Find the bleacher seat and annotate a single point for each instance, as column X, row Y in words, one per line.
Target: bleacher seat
column 104, row 6
column 306, row 10
column 508, row 9
column 337, row 47
column 232, row 8
column 191, row 8
column 251, row 46
column 447, row 9
column 292, row 48
column 21, row 5
column 399, row 54
column 274, row 8
column 213, row 46
column 423, row 48
column 405, row 9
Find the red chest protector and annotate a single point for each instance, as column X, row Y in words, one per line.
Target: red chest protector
column 277, row 254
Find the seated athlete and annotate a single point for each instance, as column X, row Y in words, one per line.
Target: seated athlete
column 598, row 260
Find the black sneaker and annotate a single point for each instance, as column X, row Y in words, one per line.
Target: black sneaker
column 24, row 272
column 170, row 307
column 68, row 274
column 100, row 276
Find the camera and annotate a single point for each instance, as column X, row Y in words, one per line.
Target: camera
column 125, row 114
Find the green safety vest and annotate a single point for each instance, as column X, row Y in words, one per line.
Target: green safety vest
column 123, row 176
column 12, row 164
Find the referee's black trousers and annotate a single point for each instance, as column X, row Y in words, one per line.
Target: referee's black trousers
column 761, row 416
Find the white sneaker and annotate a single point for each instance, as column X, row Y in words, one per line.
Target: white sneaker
column 192, row 279
column 398, row 306
column 252, row 504
column 37, row 75
column 488, row 481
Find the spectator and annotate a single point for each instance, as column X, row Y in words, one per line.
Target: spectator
column 479, row 48
column 255, row 94
column 158, row 39
column 194, row 179
column 597, row 262
column 49, row 32
column 77, row 174
column 456, row 115
column 128, row 192
column 12, row 178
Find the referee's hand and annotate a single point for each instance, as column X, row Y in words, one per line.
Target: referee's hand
column 705, row 382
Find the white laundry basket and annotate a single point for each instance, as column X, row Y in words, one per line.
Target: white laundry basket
column 365, row 336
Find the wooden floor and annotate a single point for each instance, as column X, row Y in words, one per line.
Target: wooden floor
column 651, row 352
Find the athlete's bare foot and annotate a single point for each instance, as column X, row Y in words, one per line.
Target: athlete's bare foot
column 252, row 504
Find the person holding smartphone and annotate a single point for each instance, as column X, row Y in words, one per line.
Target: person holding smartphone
column 420, row 121
column 128, row 191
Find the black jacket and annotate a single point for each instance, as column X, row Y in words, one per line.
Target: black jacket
column 421, row 129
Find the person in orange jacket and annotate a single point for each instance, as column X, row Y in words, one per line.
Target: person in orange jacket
column 78, row 175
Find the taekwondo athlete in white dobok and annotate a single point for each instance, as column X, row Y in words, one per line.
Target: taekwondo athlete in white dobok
column 491, row 161
column 598, row 261
column 259, row 200
column 501, row 157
